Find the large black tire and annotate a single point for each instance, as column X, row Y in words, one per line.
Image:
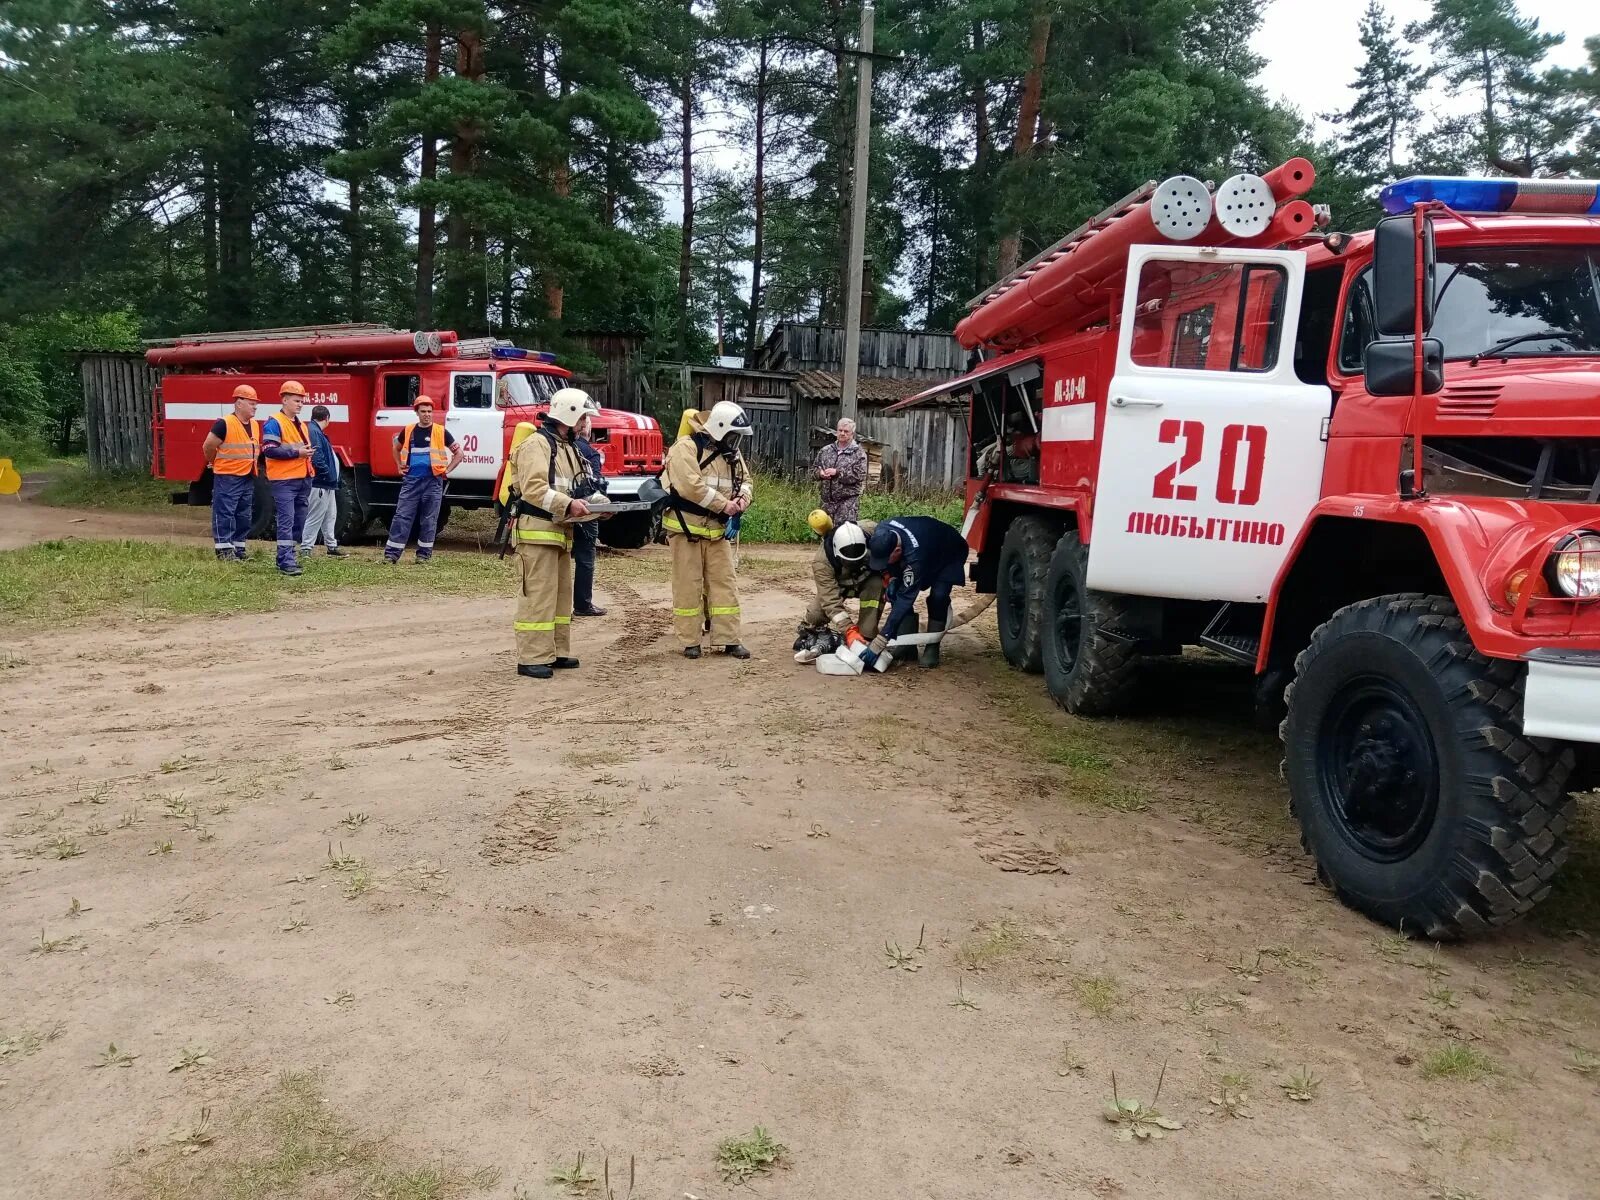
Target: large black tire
column 1422, row 802
column 263, row 517
column 631, row 531
column 350, row 518
column 1090, row 664
column 1019, row 591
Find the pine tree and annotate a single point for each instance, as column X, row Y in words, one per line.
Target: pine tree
column 1383, row 117
column 1488, row 48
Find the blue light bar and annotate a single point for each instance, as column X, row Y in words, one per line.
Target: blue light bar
column 1567, row 197
column 508, row 352
column 546, row 356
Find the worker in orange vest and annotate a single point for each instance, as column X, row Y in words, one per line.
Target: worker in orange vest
column 286, row 445
column 424, row 453
column 231, row 449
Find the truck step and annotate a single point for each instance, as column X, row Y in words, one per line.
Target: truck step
column 1235, row 632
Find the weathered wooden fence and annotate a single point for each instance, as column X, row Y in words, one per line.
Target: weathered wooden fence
column 922, row 447
column 118, row 400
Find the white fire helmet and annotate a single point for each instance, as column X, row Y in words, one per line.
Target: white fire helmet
column 571, row 405
column 849, row 543
column 724, row 418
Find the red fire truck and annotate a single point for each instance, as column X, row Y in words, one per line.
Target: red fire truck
column 368, row 378
column 1366, row 465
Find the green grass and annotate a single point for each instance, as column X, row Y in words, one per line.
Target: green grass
column 27, row 452
column 75, row 486
column 1457, row 1060
column 754, row 1154
column 782, row 506
column 1574, row 900
column 295, row 1144
column 57, row 581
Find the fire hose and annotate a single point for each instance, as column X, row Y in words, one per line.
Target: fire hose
column 847, row 659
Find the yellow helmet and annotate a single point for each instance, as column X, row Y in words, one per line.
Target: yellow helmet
column 821, row 523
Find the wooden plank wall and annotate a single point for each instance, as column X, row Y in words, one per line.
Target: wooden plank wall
column 923, row 448
column 617, row 385
column 118, row 400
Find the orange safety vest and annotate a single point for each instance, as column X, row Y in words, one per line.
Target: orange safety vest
column 294, row 434
column 239, row 450
column 438, row 454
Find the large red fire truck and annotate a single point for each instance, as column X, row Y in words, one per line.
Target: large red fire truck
column 368, row 378
column 1366, row 465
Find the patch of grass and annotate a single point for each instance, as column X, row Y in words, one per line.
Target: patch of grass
column 1136, row 1120
column 1099, row 994
column 996, row 942
column 754, row 1154
column 191, row 1056
column 1301, row 1086
column 49, row 945
column 64, row 847
column 113, row 1057
column 64, row 581
column 1574, row 900
column 132, row 491
column 1457, row 1060
column 291, row 1144
column 574, row 1176
column 29, row 1041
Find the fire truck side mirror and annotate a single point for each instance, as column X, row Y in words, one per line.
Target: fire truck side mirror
column 1390, row 367
column 1394, row 275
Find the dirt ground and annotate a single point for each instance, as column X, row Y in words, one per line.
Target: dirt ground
column 912, row 925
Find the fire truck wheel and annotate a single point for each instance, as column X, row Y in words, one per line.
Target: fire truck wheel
column 1422, row 802
column 1024, row 562
column 263, row 517
column 1089, row 668
column 350, row 519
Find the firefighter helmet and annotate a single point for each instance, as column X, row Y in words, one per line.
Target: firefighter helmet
column 571, row 405
column 726, row 418
column 849, row 542
column 245, row 392
column 293, row 387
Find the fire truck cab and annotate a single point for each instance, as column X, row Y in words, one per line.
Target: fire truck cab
column 1367, row 466
column 369, row 381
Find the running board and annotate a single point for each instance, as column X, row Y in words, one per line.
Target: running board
column 1235, row 632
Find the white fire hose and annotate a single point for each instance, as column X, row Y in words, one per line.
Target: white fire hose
column 846, row 660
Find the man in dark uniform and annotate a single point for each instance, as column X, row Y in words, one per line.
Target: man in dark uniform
column 586, row 534
column 920, row 554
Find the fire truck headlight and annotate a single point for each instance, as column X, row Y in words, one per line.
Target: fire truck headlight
column 1574, row 568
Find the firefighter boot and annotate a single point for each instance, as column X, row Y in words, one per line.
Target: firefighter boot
column 928, row 656
column 535, row 670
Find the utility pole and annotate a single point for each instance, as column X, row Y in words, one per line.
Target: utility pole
column 858, row 218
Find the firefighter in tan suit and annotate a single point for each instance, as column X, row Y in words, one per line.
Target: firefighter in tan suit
column 707, row 483
column 550, row 477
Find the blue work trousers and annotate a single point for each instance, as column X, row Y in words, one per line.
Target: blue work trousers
column 290, row 498
column 232, row 510
column 584, row 536
column 417, row 509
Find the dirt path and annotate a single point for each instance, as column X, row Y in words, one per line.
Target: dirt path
column 656, row 903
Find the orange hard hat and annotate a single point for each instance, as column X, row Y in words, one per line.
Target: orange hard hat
column 292, row 387
column 423, row 399
column 245, row 392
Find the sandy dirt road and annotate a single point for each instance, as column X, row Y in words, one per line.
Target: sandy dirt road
column 654, row 903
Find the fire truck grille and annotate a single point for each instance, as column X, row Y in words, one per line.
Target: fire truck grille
column 1564, row 469
column 641, row 451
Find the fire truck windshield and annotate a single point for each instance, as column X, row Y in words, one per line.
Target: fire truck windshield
column 1545, row 297
column 524, row 389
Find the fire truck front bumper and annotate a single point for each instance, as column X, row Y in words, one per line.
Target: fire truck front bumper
column 1561, row 699
column 625, row 487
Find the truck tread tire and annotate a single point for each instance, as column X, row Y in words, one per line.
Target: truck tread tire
column 1384, row 687
column 1091, row 664
column 350, row 519
column 1024, row 563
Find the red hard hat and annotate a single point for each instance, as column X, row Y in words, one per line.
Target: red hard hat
column 245, row 392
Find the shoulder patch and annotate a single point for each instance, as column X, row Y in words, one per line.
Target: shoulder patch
column 908, row 578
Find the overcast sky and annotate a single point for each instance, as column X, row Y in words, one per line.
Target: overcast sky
column 1313, row 50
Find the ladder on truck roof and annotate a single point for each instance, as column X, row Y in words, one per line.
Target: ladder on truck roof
column 1082, row 233
column 276, row 333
